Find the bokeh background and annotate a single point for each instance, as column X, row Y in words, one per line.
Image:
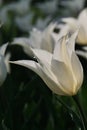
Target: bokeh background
column 26, row 103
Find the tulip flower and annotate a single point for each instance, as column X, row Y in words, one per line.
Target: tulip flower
column 3, row 64
column 61, row 70
column 82, row 22
column 39, row 39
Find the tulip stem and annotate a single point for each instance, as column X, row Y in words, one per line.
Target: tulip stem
column 81, row 112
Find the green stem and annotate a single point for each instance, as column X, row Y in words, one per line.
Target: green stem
column 81, row 112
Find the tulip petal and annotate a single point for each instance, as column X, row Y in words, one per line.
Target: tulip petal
column 48, row 42
column 61, row 52
column 82, row 18
column 34, row 66
column 28, row 64
column 71, row 43
column 57, row 54
column 24, row 42
column 52, row 83
column 3, row 49
column 63, row 75
column 35, row 38
column 3, row 70
column 71, row 21
column 78, row 70
column 43, row 56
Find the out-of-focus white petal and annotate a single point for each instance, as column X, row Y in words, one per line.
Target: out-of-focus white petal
column 3, row 70
column 6, row 60
column 48, row 7
column 48, row 42
column 24, row 42
column 35, row 38
column 81, row 53
column 71, row 42
column 82, row 18
column 3, row 49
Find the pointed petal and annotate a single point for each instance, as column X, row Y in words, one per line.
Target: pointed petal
column 61, row 51
column 71, row 42
column 50, row 82
column 57, row 54
column 34, row 66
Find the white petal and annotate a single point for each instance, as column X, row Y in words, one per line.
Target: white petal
column 78, row 71
column 64, row 76
column 24, row 42
column 3, row 49
column 48, row 42
column 35, row 38
column 82, row 18
column 71, row 21
column 53, row 84
column 3, row 70
column 34, row 66
column 43, row 56
column 57, row 54
column 71, row 42
column 6, row 60
column 61, row 51
column 50, row 82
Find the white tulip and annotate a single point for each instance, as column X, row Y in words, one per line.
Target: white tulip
column 82, row 22
column 38, row 39
column 3, row 64
column 61, row 70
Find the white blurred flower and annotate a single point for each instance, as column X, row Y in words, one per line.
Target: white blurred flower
column 53, row 68
column 48, row 7
column 80, row 21
column 39, row 39
column 42, row 23
column 3, row 64
column 73, row 5
column 24, row 23
column 21, row 7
